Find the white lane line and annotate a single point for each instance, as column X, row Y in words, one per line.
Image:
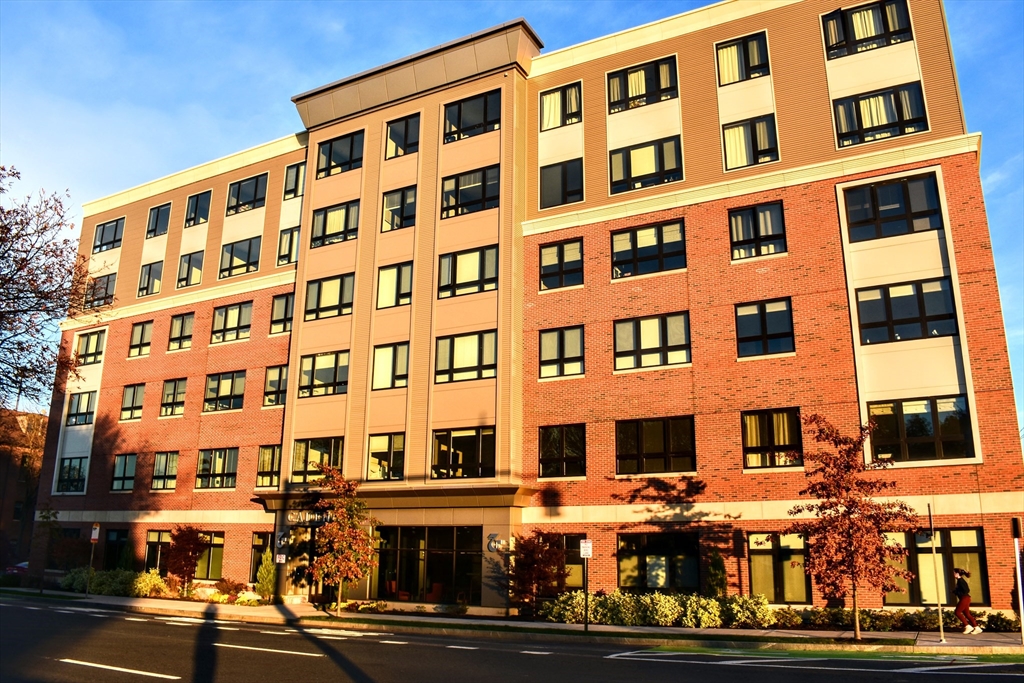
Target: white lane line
column 121, row 669
column 461, row 647
column 63, row 611
column 267, row 649
column 226, row 628
column 276, row 633
column 99, row 616
column 36, row 608
column 532, row 652
column 331, row 638
column 393, row 642
column 134, row 619
column 949, row 668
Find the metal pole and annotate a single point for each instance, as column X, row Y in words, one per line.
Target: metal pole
column 935, row 569
column 88, row 576
column 586, row 595
column 1020, row 586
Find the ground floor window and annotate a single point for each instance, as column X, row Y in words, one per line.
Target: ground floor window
column 778, row 568
column 667, row 561
column 955, row 548
column 157, row 545
column 260, row 543
column 212, row 559
column 430, row 564
column 115, row 547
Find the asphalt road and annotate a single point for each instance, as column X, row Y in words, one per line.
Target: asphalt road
column 56, row 643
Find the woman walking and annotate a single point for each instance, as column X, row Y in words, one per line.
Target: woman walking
column 962, row 591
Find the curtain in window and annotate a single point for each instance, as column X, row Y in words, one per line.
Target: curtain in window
column 615, row 89
column 751, row 431
column 665, row 75
column 551, row 110
column 729, row 63
column 877, row 110
column 383, row 357
column 642, row 161
column 335, row 222
column 392, row 207
column 765, row 134
column 572, row 102
column 637, row 83
column 783, row 435
column 867, row 22
column 466, row 349
column 896, row 13
column 467, row 267
column 741, row 227
column 738, row 150
column 769, row 220
column 757, row 52
column 910, row 100
column 846, row 119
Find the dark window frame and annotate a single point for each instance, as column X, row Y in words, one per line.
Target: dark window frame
column 399, row 359
column 188, row 264
column 781, row 558
column 759, row 244
column 447, row 273
column 671, row 546
column 351, row 160
column 391, row 469
column 132, row 400
column 214, row 401
column 453, row 205
column 349, row 225
column 288, row 246
column 652, row 76
column 151, row 277
column 71, row 474
column 482, row 369
column 558, row 464
column 261, row 543
column 212, row 556
column 775, row 454
column 183, row 339
column 837, row 25
column 236, row 205
column 566, row 194
column 217, row 468
column 403, row 285
column 882, row 226
column 444, row 468
column 194, row 208
column 294, row 181
column 313, row 308
column 141, row 340
column 100, row 291
column 879, row 442
column 561, row 360
column 767, row 154
column 275, row 385
column 76, row 415
column 104, row 242
column 454, row 127
column 659, row 177
column 401, row 216
column 334, row 452
column 310, row 387
column 407, row 146
column 176, row 404
column 250, row 264
column 918, row 553
column 902, row 126
column 559, row 273
column 165, row 471
column 746, row 71
column 268, row 466
column 222, row 331
column 672, row 460
column 124, row 472
column 159, row 220
column 96, row 341
column 638, row 262
column 764, row 336
column 895, row 327
column 281, row 315
column 565, row 117
column 664, row 348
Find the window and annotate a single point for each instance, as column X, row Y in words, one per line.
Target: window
column 648, row 250
column 743, row 59
column 295, row 180
column 210, row 562
column 288, row 246
column 335, row 224
column 71, row 475
column 750, row 142
column 463, row 454
column 466, row 357
column 921, row 429
column 150, row 278
column 114, row 550
column 399, row 209
column 771, row 438
column 217, row 468
column 124, row 473
column 642, row 84
column 880, row 114
column 472, row 116
column 108, row 235
column 866, row 27
column 165, row 471
column 902, row 312
column 391, row 366
column 197, row 209
column 247, row 194
column 340, row 155
column 309, row 453
column 231, row 323
column 81, row 408
column 403, row 137
column 329, row 297
column 563, row 451
column 100, row 291
column 268, row 466
column 893, row 207
column 387, row 457
column 561, row 352
column 467, row 272
column 561, row 265
column 172, row 400
column 561, row 183
column 650, row 446
column 190, row 269
column 323, row 374
column 281, row 311
column 180, row 337
column 757, row 231
column 260, row 544
column 561, row 106
column 275, row 386
column 90, row 347
column 646, row 165
column 778, row 568
column 436, row 564
column 954, row 548
column 159, row 218
column 158, row 545
column 131, row 401
column 394, row 285
column 764, row 328
column 668, row 562
column 239, row 258
column 225, row 391
column 651, row 342
column 470, row 192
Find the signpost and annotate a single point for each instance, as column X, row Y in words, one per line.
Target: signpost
column 935, row 570
column 1020, row 585
column 93, row 540
column 586, row 552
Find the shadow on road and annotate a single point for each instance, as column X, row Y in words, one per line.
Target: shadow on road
column 350, row 668
column 205, row 654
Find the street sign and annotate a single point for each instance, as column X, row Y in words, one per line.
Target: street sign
column 586, row 549
column 95, row 533
column 281, row 558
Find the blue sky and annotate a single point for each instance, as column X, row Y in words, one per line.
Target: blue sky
column 100, row 97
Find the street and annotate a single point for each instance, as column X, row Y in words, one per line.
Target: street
column 55, row 643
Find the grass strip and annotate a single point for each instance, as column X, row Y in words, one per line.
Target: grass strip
column 850, row 654
column 37, row 596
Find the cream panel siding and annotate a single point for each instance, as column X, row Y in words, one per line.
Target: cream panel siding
column 338, row 188
column 395, row 246
column 467, row 313
column 391, row 325
column 464, row 404
column 910, row 369
column 897, row 259
column 387, row 412
column 746, row 99
column 322, row 336
column 316, row 417
column 153, row 250
column 105, row 262
column 243, row 225
column 473, row 230
column 400, row 171
column 291, row 212
column 333, row 259
column 560, row 144
column 644, row 124
column 472, row 153
column 192, row 240
column 873, row 70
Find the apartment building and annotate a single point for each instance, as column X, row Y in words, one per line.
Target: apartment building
column 591, row 292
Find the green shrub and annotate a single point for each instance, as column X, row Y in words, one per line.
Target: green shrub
column 375, row 607
column 247, row 598
column 114, row 582
column 618, row 609
column 788, row 618
column 75, row 580
column 567, row 608
column 266, row 576
column 881, row 620
column 149, row 584
column 716, row 585
column 658, row 609
column 218, row 597
column 699, row 612
column 742, row 611
column 1000, row 623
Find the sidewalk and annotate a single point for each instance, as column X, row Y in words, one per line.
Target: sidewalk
column 305, row 614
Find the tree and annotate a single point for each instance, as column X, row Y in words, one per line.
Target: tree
column 847, row 545
column 344, row 544
column 538, row 566
column 40, row 274
column 717, row 583
column 266, row 576
column 187, row 545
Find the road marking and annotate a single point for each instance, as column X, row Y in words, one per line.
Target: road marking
column 393, row 642
column 226, row 628
column 121, row 669
column 99, row 616
column 532, row 652
column 134, row 619
column 63, row 611
column 36, row 608
column 276, row 633
column 267, row 649
column 461, row 647
column 948, row 668
column 331, row 638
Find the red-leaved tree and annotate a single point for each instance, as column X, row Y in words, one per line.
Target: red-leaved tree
column 187, row 545
column 344, row 544
column 538, row 567
column 848, row 548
